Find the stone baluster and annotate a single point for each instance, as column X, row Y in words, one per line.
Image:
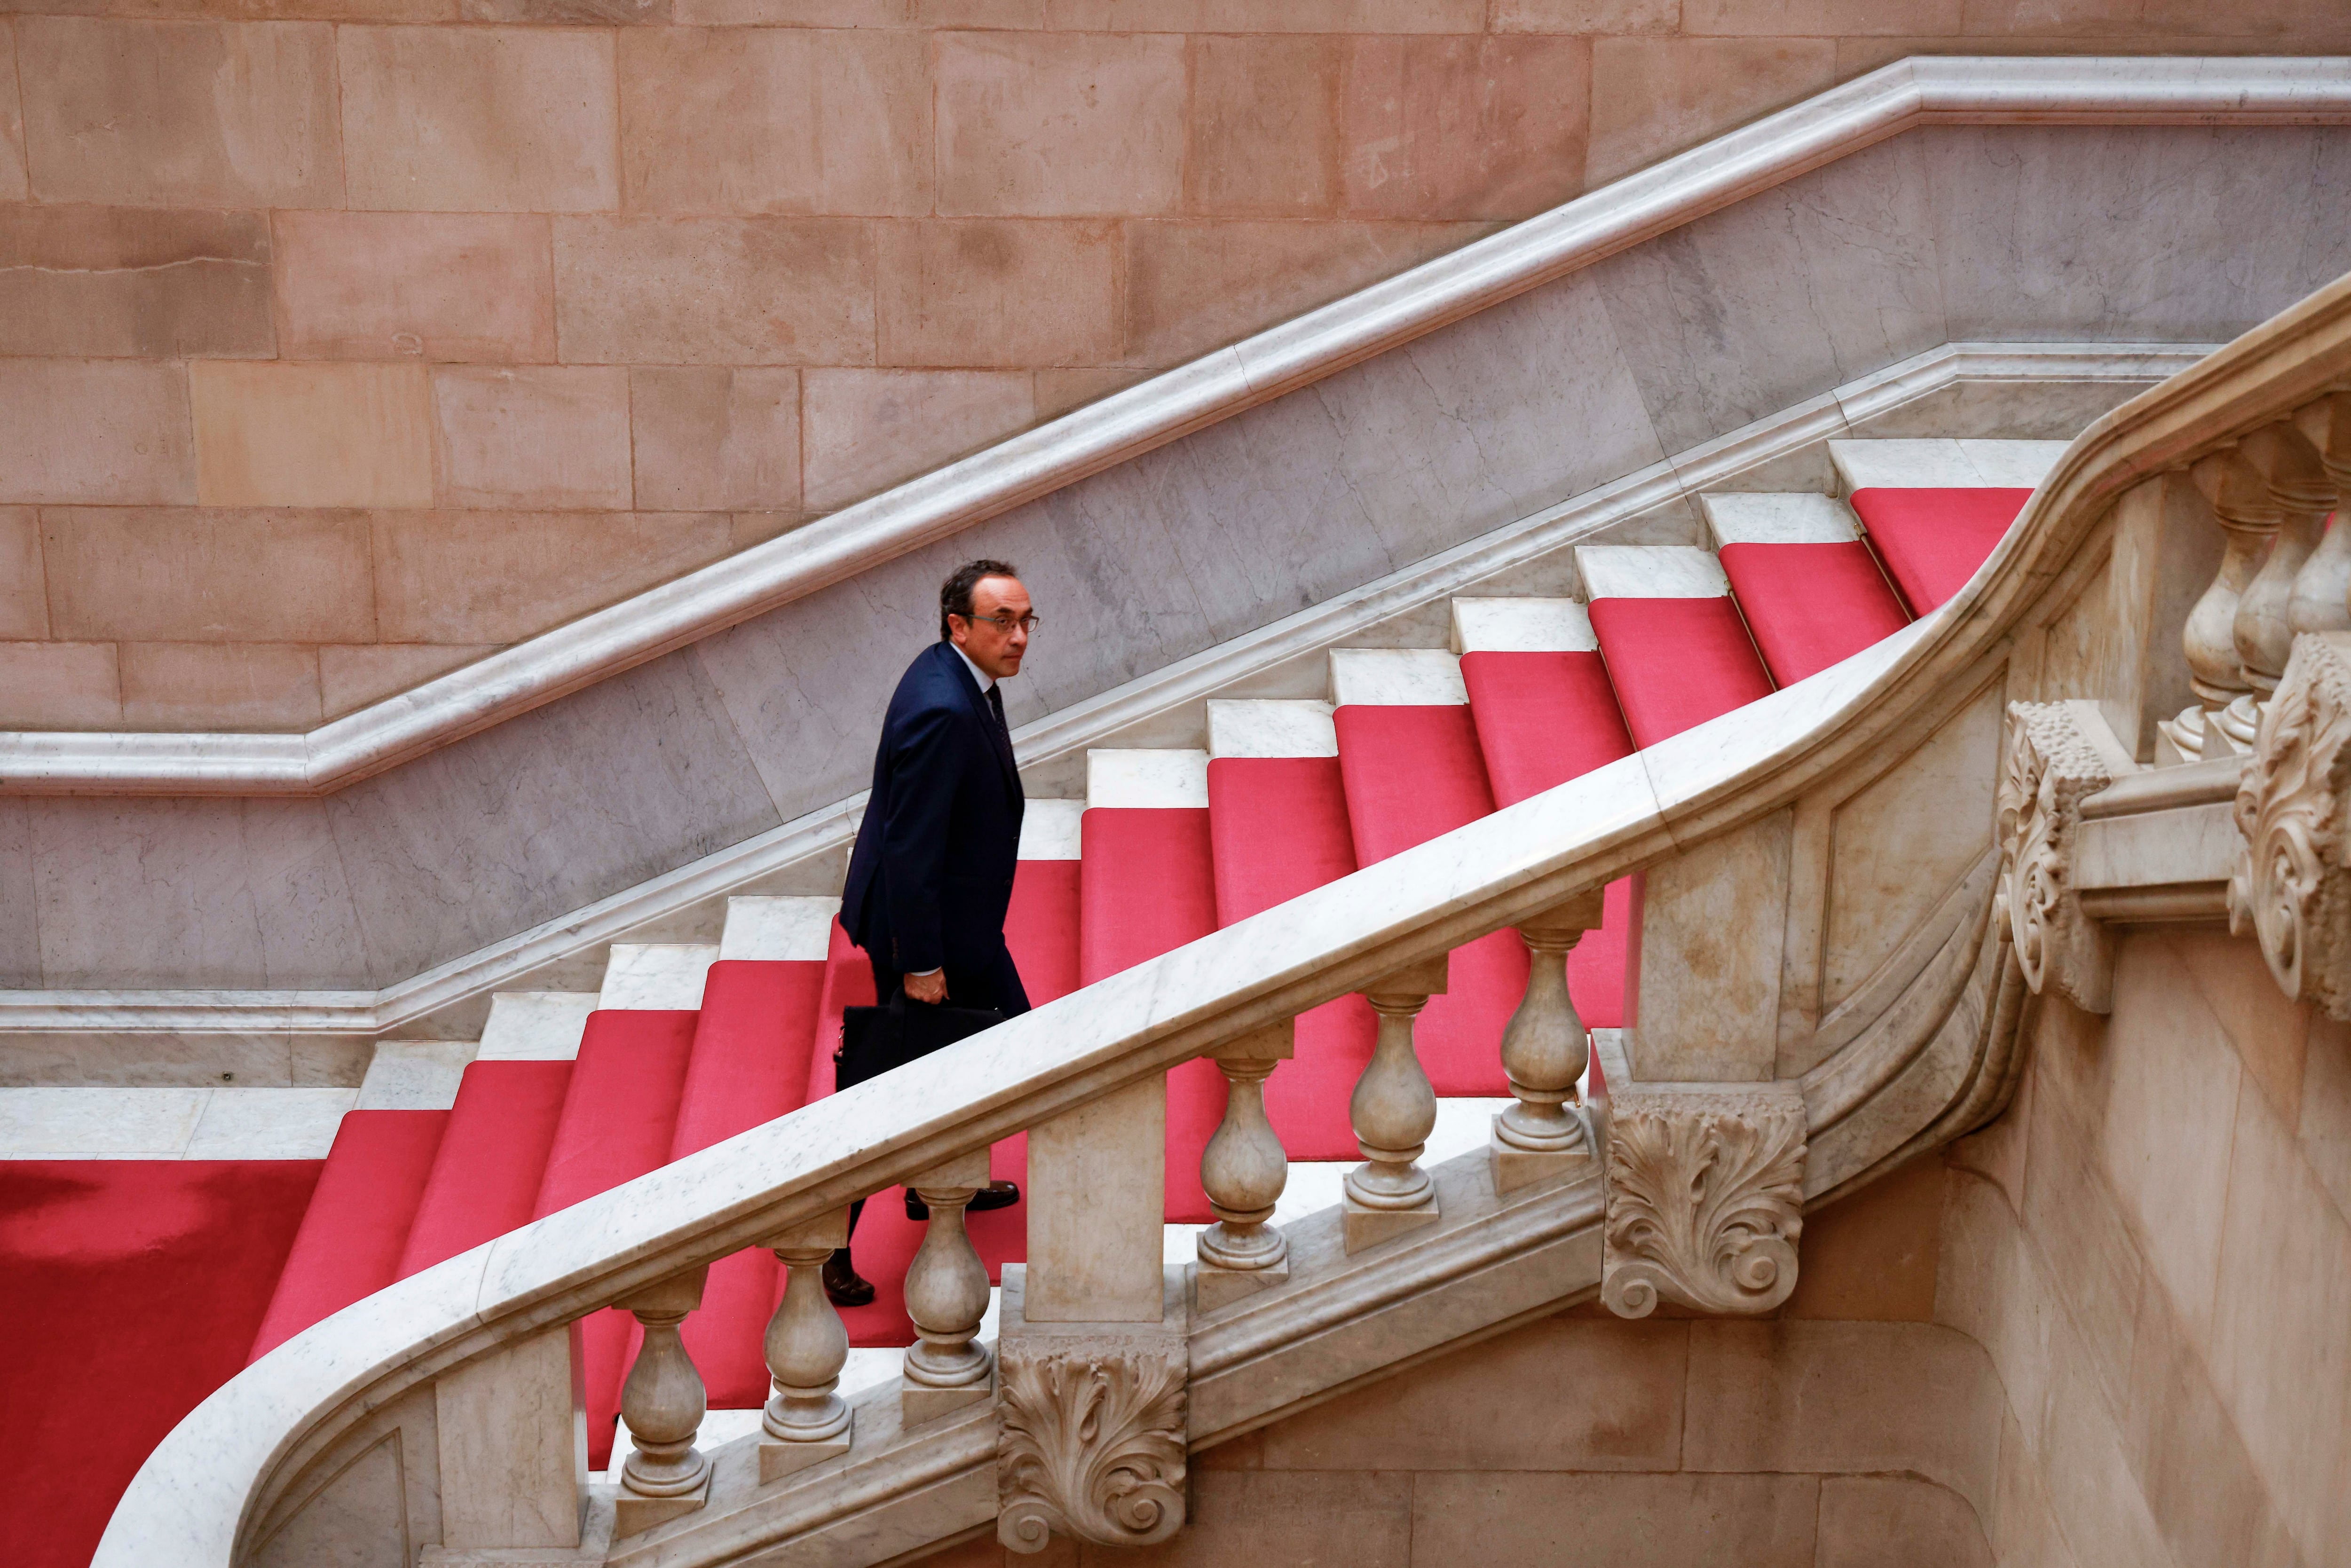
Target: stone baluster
column 662, row 1403
column 2301, row 496
column 1243, row 1171
column 946, row 1297
column 2324, row 584
column 2217, row 671
column 1544, row 1052
column 1393, row 1110
column 806, row 1422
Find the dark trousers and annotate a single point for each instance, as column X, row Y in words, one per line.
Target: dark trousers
column 995, row 983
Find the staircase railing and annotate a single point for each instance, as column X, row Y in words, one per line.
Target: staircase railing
column 1093, row 1333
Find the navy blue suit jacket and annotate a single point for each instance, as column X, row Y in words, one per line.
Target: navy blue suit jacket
column 931, row 876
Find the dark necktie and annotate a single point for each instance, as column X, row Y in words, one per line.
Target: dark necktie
column 996, row 706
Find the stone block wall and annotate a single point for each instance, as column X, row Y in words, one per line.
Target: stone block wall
column 344, row 340
column 2154, row 1244
column 1853, row 1430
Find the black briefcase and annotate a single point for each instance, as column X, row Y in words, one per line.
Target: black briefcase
column 876, row 1039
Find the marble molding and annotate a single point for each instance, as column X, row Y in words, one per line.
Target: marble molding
column 1919, row 1059
column 1853, row 119
column 1091, row 1426
column 2050, row 763
column 2292, row 883
column 1706, row 1191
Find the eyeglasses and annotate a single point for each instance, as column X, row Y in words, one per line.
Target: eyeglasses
column 1006, row 622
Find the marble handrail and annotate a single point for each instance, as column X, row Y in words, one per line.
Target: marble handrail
column 1778, row 148
column 201, row 1486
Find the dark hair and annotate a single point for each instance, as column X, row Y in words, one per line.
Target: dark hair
column 955, row 594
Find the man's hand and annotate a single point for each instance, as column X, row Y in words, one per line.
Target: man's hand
column 931, row 987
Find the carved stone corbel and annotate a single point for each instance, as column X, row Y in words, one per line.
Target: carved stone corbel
column 1091, row 1437
column 2048, row 767
column 2292, row 883
column 1706, row 1192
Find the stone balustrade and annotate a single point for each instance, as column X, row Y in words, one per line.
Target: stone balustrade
column 2283, row 573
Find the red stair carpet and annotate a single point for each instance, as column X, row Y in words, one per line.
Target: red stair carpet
column 1932, row 541
column 131, row 1290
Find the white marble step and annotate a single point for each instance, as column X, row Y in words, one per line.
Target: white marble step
column 1650, row 571
column 1272, row 729
column 1940, row 464
column 535, row 1025
column 1521, row 626
column 171, row 1123
column 1778, row 519
column 656, row 974
column 777, row 930
column 1049, row 829
column 414, row 1075
column 1160, row 779
column 1396, row 678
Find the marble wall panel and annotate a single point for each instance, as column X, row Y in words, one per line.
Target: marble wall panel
column 140, row 892
column 783, row 121
column 715, row 436
column 2285, row 1264
column 544, row 813
column 1263, row 126
column 13, row 185
column 219, row 686
column 190, row 576
column 1058, row 124
column 59, row 686
column 104, row 431
column 740, row 291
column 476, row 578
column 531, row 436
column 1567, row 1393
column 2324, row 1129
column 1533, row 1520
column 20, row 930
column 24, row 582
column 431, row 285
column 990, row 293
column 1462, row 127
column 123, row 282
column 480, row 120
column 1866, row 1520
column 2168, row 234
column 184, row 114
column 1752, row 309
column 1899, row 846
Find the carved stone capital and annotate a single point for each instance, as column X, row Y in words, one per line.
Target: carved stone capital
column 2292, row 883
column 1091, row 1437
column 2049, row 765
column 1706, row 1191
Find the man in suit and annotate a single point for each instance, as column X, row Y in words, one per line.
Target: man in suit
column 931, row 876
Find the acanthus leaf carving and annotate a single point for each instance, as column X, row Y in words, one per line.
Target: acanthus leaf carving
column 2291, row 886
column 2048, row 768
column 1706, row 1191
column 1090, row 1440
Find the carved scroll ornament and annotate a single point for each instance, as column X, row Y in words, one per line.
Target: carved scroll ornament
column 1091, row 1443
column 2048, row 767
column 2292, row 885
column 1706, row 1191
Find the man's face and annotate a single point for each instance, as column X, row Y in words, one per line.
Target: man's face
column 995, row 636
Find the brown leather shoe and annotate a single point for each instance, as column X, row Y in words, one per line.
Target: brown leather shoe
column 842, row 1287
column 994, row 1195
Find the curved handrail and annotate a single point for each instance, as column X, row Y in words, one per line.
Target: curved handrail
column 1921, row 91
column 196, row 1491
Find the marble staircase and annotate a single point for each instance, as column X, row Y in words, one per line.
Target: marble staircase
column 448, row 1143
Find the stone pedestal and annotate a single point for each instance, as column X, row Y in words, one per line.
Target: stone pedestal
column 1091, row 1438
column 1515, row 1168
